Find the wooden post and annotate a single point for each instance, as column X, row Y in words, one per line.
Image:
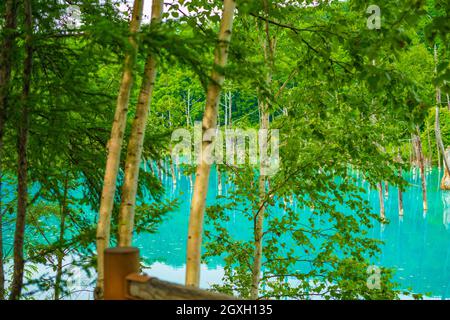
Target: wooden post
column 119, row 263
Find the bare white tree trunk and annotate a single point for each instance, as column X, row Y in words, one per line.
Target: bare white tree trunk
column 381, row 199
column 135, row 145
column 188, row 111
column 114, row 148
column 400, row 175
column 259, row 216
column 203, row 169
column 269, row 48
column 421, row 161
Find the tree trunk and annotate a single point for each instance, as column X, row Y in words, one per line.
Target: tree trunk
column 203, row 169
column 22, row 190
column 430, row 153
column 6, row 58
column 230, row 105
column 188, row 111
column 445, row 182
column 381, row 199
column 62, row 228
column 172, row 172
column 400, row 193
column 114, row 148
column 448, row 101
column 420, row 160
column 259, row 216
column 136, row 142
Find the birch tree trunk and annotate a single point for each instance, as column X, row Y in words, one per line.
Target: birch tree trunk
column 22, row 190
column 268, row 48
column 230, row 106
column 195, row 231
column 6, row 57
column 259, row 216
column 114, row 148
column 135, row 144
column 188, row 111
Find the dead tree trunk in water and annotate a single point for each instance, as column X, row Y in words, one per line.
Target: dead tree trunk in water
column 386, row 189
column 22, row 141
column 195, row 231
column 420, row 159
column 381, row 199
column 400, row 193
column 115, row 147
column 135, row 145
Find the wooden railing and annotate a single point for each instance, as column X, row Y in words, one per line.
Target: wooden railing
column 124, row 282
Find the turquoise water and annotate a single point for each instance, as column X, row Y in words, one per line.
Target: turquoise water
column 417, row 246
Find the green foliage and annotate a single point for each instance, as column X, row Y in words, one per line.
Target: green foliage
column 345, row 99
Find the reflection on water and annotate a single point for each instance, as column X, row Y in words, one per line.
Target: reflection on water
column 417, row 245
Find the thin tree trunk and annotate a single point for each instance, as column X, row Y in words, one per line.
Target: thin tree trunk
column 400, row 193
column 386, row 189
column 230, row 105
column 430, row 153
column 136, row 142
column 400, row 197
column 381, row 199
column 203, row 169
column 188, row 113
column 172, row 171
column 448, row 102
column 22, row 190
column 114, row 148
column 259, row 216
column 268, row 48
column 438, row 149
column 6, row 58
column 62, row 228
column 420, row 159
